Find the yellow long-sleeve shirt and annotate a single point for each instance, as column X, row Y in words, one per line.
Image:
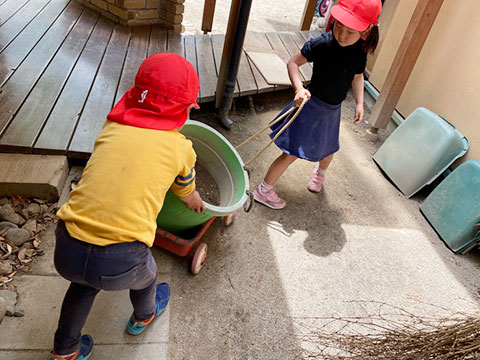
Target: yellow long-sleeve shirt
column 124, row 184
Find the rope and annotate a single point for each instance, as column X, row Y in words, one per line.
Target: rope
column 267, row 127
column 273, row 123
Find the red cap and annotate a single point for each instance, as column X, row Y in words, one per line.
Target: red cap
column 357, row 14
column 165, row 85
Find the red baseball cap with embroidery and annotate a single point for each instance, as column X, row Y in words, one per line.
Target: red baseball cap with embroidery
column 357, row 14
column 165, row 85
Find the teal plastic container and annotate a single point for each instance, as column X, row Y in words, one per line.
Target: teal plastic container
column 453, row 207
column 217, row 156
column 422, row 147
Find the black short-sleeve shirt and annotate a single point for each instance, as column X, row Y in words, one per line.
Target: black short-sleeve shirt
column 334, row 67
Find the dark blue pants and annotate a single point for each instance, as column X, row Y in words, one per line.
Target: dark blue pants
column 91, row 268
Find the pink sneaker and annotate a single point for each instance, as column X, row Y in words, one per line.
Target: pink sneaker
column 269, row 199
column 316, row 181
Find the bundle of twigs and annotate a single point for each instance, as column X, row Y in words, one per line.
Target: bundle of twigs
column 403, row 336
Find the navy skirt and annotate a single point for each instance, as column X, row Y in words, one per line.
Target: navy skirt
column 314, row 134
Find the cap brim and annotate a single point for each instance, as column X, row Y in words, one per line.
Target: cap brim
column 348, row 19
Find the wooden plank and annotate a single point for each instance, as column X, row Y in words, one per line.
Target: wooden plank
column 17, row 22
column 158, row 40
column 280, row 49
column 9, row 8
column 137, row 52
column 310, row 34
column 191, row 57
column 218, row 41
column 245, row 78
column 300, row 41
column 206, row 67
column 27, row 74
column 306, row 34
column 190, row 51
column 308, row 12
column 258, row 42
column 412, row 43
column 208, row 13
column 100, row 99
column 23, row 130
column 176, row 43
column 272, row 67
column 55, row 136
column 17, row 50
column 292, row 49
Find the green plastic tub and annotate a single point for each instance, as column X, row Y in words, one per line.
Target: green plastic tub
column 216, row 155
column 419, row 150
column 453, row 207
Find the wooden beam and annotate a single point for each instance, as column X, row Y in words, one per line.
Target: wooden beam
column 308, row 13
column 412, row 43
column 208, row 12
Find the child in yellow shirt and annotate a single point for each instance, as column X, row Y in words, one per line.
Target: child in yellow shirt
column 108, row 225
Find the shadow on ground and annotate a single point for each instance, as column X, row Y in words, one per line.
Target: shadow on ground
column 359, row 239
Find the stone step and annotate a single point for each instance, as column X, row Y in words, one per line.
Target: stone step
column 36, row 176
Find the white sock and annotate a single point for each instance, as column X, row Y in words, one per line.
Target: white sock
column 264, row 187
column 321, row 172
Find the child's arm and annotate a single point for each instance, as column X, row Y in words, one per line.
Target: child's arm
column 357, row 86
column 184, row 186
column 193, row 201
column 293, row 66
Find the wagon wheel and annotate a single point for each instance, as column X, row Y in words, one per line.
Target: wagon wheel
column 199, row 258
column 228, row 220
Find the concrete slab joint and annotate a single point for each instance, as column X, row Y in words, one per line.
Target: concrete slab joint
column 141, row 12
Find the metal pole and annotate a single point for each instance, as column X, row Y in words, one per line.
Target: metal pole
column 237, row 48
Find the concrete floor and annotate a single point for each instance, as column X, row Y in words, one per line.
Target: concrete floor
column 265, row 16
column 342, row 252
column 272, row 275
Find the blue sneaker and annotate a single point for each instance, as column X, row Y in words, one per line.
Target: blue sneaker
column 161, row 299
column 83, row 353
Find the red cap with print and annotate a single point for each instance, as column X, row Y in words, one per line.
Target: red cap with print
column 357, row 14
column 165, row 85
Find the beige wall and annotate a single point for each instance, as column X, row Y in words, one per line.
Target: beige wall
column 385, row 20
column 446, row 77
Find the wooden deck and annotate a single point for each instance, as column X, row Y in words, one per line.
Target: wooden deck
column 63, row 67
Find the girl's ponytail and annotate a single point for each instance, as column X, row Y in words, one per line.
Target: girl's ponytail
column 371, row 42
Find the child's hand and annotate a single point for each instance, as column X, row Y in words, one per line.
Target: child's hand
column 358, row 117
column 300, row 94
column 194, row 202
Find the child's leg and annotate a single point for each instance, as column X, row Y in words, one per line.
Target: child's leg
column 318, row 174
column 264, row 193
column 325, row 162
column 143, row 301
column 76, row 306
column 148, row 301
column 278, row 167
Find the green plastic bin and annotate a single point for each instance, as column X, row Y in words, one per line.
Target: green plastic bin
column 422, row 147
column 216, row 155
column 453, row 207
